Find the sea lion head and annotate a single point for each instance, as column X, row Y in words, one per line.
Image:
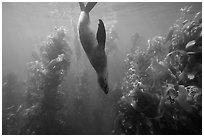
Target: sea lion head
column 103, row 81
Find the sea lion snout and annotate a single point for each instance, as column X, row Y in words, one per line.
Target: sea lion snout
column 103, row 82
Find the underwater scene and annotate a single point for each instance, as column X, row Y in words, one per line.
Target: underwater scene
column 106, row 68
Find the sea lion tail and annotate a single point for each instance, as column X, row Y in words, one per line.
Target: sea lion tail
column 88, row 8
column 82, row 7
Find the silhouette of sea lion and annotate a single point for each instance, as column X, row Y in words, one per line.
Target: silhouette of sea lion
column 94, row 46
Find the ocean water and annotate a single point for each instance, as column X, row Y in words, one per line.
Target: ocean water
column 81, row 106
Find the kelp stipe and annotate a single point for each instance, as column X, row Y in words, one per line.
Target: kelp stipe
column 162, row 88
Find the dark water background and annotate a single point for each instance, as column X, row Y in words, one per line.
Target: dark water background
column 25, row 25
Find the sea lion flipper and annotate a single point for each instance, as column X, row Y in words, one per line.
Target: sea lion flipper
column 82, row 7
column 89, row 6
column 101, row 34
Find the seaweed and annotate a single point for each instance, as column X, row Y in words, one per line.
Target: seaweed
column 162, row 86
column 12, row 103
column 43, row 93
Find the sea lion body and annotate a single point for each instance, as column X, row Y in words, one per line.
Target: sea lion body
column 94, row 45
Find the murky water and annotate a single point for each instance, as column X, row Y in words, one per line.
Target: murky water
column 27, row 24
column 87, row 109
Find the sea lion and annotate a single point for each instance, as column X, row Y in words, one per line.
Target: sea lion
column 94, row 46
